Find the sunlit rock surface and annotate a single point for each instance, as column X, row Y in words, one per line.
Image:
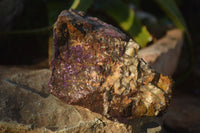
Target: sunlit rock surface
column 95, row 65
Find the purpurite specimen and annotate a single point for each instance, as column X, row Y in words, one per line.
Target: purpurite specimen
column 95, row 65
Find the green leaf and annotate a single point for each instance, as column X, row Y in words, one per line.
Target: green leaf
column 126, row 19
column 81, row 5
column 171, row 9
column 143, row 37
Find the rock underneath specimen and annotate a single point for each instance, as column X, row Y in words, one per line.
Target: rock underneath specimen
column 165, row 50
column 95, row 65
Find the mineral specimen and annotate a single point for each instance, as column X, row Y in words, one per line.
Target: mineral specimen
column 95, row 65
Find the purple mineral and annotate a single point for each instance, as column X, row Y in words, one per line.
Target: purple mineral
column 95, row 65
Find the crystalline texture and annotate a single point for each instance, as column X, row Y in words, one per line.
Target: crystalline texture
column 95, row 65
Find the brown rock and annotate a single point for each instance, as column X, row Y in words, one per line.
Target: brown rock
column 96, row 66
column 164, row 54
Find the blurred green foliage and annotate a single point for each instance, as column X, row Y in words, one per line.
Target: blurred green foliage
column 126, row 19
column 81, row 5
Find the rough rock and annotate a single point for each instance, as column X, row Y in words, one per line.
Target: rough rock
column 96, row 66
column 164, row 54
column 25, row 107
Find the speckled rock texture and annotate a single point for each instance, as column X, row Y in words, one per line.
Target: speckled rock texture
column 95, row 65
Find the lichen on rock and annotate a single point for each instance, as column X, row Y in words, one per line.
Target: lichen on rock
column 96, row 66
